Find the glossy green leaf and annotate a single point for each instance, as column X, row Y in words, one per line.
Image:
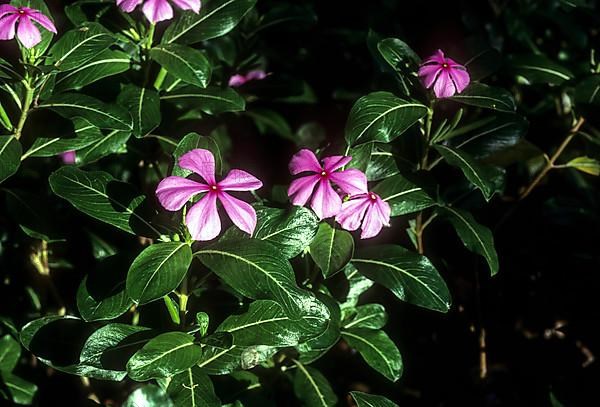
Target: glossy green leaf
column 99, row 195
column 10, row 156
column 289, row 230
column 10, row 352
column 402, row 195
column 357, row 285
column 164, row 356
column 78, row 46
column 588, row 90
column 190, row 142
column 539, row 69
column 410, row 276
column 85, row 134
column 223, row 357
column 318, row 346
column 476, row 237
column 482, row 176
column 331, row 249
column 585, row 164
column 143, row 105
column 371, row 400
column 269, row 121
column 381, row 116
column 192, row 388
column 157, row 271
column 21, row 391
column 382, row 165
column 211, row 100
column 113, row 142
column 377, row 349
column 107, row 63
column 312, row 388
column 487, row 97
column 216, row 18
column 361, row 156
column 371, row 316
column 100, row 114
column 402, row 59
column 185, row 63
column 149, row 395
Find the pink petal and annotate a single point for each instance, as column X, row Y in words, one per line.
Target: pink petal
column 193, row 5
column 428, row 74
column 353, row 212
column 304, row 160
column 28, row 33
column 200, row 161
column 68, row 157
column 203, row 220
column 335, row 162
column 237, row 80
column 326, row 202
column 7, row 26
column 301, row 189
column 384, row 211
column 7, row 9
column 174, row 192
column 444, row 87
column 128, row 5
column 351, row 181
column 376, row 217
column 241, row 213
column 42, row 20
column 461, row 78
column 437, row 57
column 238, row 180
column 256, row 75
column 157, row 10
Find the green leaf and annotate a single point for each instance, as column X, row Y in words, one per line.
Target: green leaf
column 103, row 115
column 585, row 164
column 78, row 46
column 382, row 165
column 539, row 69
column 221, row 356
column 482, row 176
column 331, row 249
column 403, row 61
column 357, row 285
column 269, row 121
column 211, row 100
column 157, row 271
column 164, row 356
column 112, row 142
column 476, row 237
column 107, row 63
column 85, row 134
column 255, row 269
column 402, row 195
column 312, row 388
column 101, row 294
column 361, row 156
column 21, row 391
column 487, row 97
column 371, row 400
column 381, row 116
column 192, row 388
column 10, row 352
column 588, row 90
column 289, row 230
column 10, row 156
column 192, row 141
column 377, row 349
column 99, row 195
column 185, row 63
column 318, row 346
column 216, row 18
column 143, row 105
column 410, row 276
column 149, row 395
column 371, row 316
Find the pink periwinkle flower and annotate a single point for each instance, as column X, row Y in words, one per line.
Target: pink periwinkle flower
column 239, row 79
column 326, row 202
column 203, row 219
column 367, row 211
column 159, row 10
column 68, row 157
column 20, row 18
column 446, row 75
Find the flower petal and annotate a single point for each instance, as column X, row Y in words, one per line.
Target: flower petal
column 7, row 9
column 241, row 213
column 28, row 33
column 128, row 5
column 68, row 157
column 444, row 87
column 301, row 189
column 353, row 212
column 335, row 162
column 174, row 192
column 238, row 180
column 42, row 20
column 157, row 10
column 304, row 160
column 256, row 75
column 200, row 161
column 193, row 5
column 384, row 210
column 428, row 74
column 461, row 78
column 237, row 80
column 437, row 58
column 203, row 220
column 372, row 223
column 351, row 181
column 326, row 202
column 7, row 26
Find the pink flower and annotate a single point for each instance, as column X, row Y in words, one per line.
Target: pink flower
column 27, row 32
column 367, row 211
column 446, row 76
column 202, row 219
column 68, row 157
column 159, row 10
column 239, row 79
column 325, row 201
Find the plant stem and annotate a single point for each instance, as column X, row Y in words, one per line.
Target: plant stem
column 552, row 160
column 420, row 226
column 160, row 78
column 25, row 110
column 150, row 36
column 183, row 300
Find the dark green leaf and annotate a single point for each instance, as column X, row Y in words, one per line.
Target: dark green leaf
column 78, row 46
column 107, row 63
column 357, row 284
column 377, row 349
column 192, row 388
column 270, row 122
column 361, row 156
column 211, row 100
column 10, row 156
column 402, row 59
column 371, row 316
column 402, row 195
column 488, row 97
column 157, row 271
column 312, row 387
column 143, row 105
column 318, row 346
column 192, row 141
column 382, row 165
column 410, row 276
column 539, row 69
column 371, row 400
column 588, row 90
column 113, row 142
column 148, row 396
column 21, row 391
column 185, row 63
column 10, row 352
column 85, row 134
column 331, row 249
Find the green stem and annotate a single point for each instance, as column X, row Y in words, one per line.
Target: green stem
column 160, row 78
column 420, row 226
column 183, row 300
column 25, row 110
column 150, row 36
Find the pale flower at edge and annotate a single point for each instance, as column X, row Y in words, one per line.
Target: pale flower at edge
column 159, row 10
column 19, row 19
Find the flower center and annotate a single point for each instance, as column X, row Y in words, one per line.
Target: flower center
column 21, row 11
column 323, row 173
column 445, row 65
column 372, row 196
column 214, row 188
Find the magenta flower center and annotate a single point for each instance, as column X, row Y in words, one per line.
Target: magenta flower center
column 21, row 11
column 445, row 65
column 214, row 187
column 373, row 196
column 324, row 174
